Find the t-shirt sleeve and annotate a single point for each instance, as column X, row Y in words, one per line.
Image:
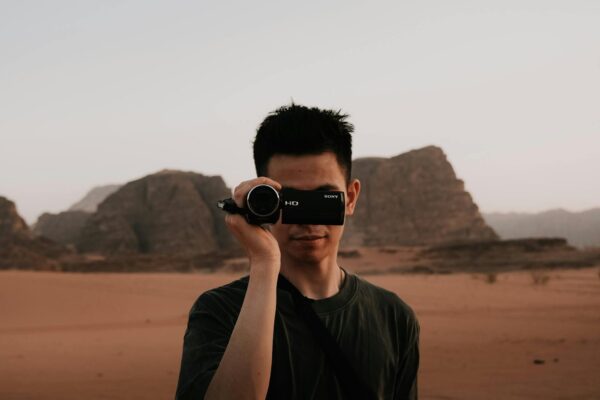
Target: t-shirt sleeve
column 406, row 379
column 204, row 343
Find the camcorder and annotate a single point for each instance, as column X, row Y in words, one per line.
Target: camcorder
column 265, row 205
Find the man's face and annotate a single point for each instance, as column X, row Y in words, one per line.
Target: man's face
column 310, row 243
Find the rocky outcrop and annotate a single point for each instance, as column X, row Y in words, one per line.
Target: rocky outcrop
column 169, row 212
column 506, row 255
column 64, row 227
column 93, row 198
column 11, row 223
column 414, row 198
column 581, row 229
column 19, row 248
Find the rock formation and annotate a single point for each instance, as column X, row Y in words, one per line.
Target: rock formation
column 414, row 198
column 506, row 255
column 19, row 248
column 93, row 198
column 11, row 223
column 64, row 227
column 169, row 212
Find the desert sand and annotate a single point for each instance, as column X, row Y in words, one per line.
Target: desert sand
column 119, row 336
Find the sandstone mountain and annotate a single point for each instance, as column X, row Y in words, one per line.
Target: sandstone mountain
column 414, row 198
column 581, row 229
column 412, row 206
column 64, row 227
column 90, row 201
column 19, row 248
column 169, row 212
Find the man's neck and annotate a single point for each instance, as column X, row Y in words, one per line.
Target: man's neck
column 315, row 281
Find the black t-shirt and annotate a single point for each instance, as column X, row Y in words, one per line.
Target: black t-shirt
column 375, row 329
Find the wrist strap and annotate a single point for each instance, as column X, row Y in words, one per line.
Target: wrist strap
column 230, row 206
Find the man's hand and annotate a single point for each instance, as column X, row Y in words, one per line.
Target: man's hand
column 259, row 243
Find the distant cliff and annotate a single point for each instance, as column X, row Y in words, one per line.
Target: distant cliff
column 93, row 198
column 581, row 229
column 414, row 198
column 64, row 227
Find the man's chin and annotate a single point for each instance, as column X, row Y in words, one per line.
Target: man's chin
column 308, row 256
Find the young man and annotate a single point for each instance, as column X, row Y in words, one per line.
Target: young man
column 246, row 340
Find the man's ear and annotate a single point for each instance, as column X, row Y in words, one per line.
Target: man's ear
column 352, row 196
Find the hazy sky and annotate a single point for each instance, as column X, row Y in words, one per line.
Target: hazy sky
column 98, row 92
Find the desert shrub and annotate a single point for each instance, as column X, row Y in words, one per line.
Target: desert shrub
column 539, row 277
column 421, row 269
column 387, row 250
column 491, row 277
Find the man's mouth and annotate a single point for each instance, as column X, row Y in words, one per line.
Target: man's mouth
column 308, row 238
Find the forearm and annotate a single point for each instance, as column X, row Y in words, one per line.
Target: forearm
column 245, row 368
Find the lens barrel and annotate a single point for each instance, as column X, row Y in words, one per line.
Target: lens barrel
column 263, row 204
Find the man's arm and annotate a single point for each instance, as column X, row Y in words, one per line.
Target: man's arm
column 245, row 369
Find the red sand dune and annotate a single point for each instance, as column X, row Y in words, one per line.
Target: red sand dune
column 119, row 336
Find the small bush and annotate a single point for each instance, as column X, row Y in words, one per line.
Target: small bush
column 421, row 269
column 539, row 277
column 491, row 278
column 387, row 250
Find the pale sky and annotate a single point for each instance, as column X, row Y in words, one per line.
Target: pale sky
column 99, row 92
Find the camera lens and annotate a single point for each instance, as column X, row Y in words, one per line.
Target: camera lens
column 262, row 200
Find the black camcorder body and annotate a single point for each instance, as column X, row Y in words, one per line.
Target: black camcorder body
column 265, row 205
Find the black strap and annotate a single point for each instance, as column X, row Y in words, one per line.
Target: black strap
column 230, row 206
column 351, row 383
